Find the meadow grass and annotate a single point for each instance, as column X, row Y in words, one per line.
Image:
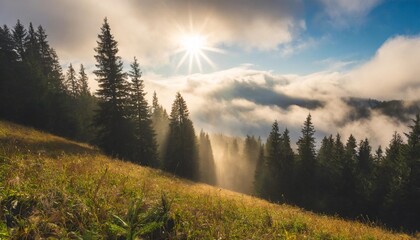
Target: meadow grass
column 54, row 188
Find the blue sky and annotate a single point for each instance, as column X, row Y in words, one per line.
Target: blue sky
column 278, row 56
column 354, row 42
column 315, row 35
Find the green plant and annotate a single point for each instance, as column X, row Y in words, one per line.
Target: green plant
column 141, row 222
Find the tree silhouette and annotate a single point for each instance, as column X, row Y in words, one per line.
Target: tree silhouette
column 145, row 148
column 71, row 82
column 181, row 156
column 111, row 118
column 207, row 169
column 160, row 121
column 307, row 158
column 83, row 82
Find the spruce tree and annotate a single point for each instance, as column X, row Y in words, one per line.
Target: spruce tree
column 274, row 163
column 409, row 203
column 181, row 156
column 348, row 176
column 83, row 82
column 8, row 58
column 364, row 177
column 307, row 164
column 19, row 36
column 31, row 45
column 392, row 172
column 306, row 146
column 325, row 169
column 71, row 83
column 287, row 172
column 207, row 168
column 46, row 53
column 260, row 175
column 111, row 120
column 273, row 147
column 145, row 148
column 160, row 120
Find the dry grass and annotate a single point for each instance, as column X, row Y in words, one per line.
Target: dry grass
column 69, row 190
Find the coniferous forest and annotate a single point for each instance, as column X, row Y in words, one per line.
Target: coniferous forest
column 344, row 176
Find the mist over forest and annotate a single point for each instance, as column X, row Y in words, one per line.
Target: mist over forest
column 284, row 138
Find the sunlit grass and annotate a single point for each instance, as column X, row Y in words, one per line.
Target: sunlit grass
column 66, row 189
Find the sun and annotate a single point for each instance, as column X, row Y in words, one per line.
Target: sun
column 195, row 45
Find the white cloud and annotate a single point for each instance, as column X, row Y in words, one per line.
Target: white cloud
column 343, row 13
column 150, row 29
column 393, row 73
column 242, row 100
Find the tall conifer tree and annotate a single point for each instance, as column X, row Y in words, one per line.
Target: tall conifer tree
column 145, row 149
column 181, row 155
column 307, row 157
column 71, row 82
column 83, row 81
column 160, row 120
column 111, row 118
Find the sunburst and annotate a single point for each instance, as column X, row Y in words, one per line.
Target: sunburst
column 195, row 45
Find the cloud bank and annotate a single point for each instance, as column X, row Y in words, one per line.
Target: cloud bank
column 243, row 100
column 150, row 29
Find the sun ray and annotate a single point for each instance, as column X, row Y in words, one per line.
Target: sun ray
column 190, row 63
column 213, row 49
column 194, row 45
column 182, row 60
column 208, row 60
column 197, row 59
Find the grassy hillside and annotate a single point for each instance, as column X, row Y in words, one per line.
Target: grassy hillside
column 52, row 187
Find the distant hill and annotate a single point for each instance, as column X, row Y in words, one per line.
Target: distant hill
column 397, row 109
column 51, row 187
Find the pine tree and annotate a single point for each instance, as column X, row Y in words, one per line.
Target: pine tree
column 181, row 156
column 207, row 168
column 260, row 175
column 325, row 154
column 307, row 157
column 6, row 46
column 55, row 77
column 287, row 172
column 347, row 191
column 19, row 36
column 31, row 45
column 325, row 173
column 274, row 163
column 44, row 51
column 409, row 204
column 8, row 58
column 71, row 83
column 364, row 177
column 306, row 146
column 114, row 129
column 273, row 147
column 83, row 82
column 287, row 154
column 392, row 172
column 145, row 146
column 84, row 107
column 160, row 120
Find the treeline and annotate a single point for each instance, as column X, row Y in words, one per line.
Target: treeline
column 33, row 89
column 345, row 178
column 118, row 119
column 348, row 178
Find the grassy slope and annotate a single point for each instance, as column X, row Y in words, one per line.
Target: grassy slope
column 67, row 189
